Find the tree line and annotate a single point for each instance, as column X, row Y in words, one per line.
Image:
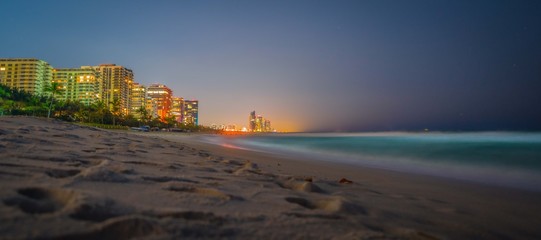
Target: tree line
column 15, row 101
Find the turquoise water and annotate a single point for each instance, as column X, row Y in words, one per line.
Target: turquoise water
column 501, row 158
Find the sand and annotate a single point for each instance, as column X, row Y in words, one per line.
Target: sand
column 63, row 181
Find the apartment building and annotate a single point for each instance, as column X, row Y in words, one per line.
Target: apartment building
column 28, row 74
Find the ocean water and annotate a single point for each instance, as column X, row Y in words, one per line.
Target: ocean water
column 509, row 159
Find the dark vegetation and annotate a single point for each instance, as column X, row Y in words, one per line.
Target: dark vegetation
column 18, row 102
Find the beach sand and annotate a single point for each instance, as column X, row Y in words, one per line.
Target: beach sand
column 63, row 181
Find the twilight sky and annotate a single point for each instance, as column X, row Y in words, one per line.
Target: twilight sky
column 309, row 65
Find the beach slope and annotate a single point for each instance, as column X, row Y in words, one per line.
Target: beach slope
column 64, row 181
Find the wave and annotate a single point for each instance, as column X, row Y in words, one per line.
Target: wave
column 501, row 158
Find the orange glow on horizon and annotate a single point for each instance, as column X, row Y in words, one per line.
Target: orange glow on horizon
column 286, row 126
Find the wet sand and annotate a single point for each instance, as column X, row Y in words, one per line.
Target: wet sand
column 63, row 181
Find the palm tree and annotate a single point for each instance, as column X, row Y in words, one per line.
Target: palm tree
column 35, row 103
column 7, row 105
column 143, row 114
column 4, row 98
column 171, row 121
column 101, row 109
column 4, row 91
column 115, row 110
column 53, row 89
column 68, row 109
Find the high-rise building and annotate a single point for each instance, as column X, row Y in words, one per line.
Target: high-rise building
column 251, row 121
column 267, row 127
column 177, row 108
column 138, row 99
column 161, row 96
column 28, row 74
column 191, row 112
column 257, row 123
column 115, row 86
column 77, row 84
column 152, row 107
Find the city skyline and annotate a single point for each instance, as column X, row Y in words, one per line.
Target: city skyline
column 108, row 85
column 309, row 66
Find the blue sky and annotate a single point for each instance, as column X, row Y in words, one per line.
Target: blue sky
column 308, row 65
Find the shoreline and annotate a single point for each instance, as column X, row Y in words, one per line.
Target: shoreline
column 297, row 161
column 464, row 193
column 70, row 182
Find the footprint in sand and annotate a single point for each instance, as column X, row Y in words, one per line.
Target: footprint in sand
column 40, row 200
column 99, row 209
column 300, row 185
column 334, row 205
column 202, row 153
column 19, row 139
column 207, row 192
column 23, row 130
column 106, row 171
column 5, row 132
column 62, row 173
column 125, row 227
column 167, row 179
column 67, row 136
column 89, row 161
column 248, row 167
column 143, row 163
column 176, row 166
column 80, row 206
column 190, row 215
column 205, row 169
column 49, row 157
column 232, row 162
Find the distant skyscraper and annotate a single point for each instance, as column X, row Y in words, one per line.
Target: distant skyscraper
column 115, row 86
column 28, row 74
column 77, row 84
column 267, row 127
column 191, row 112
column 138, row 99
column 258, row 123
column 161, row 97
column 177, row 108
column 251, row 122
